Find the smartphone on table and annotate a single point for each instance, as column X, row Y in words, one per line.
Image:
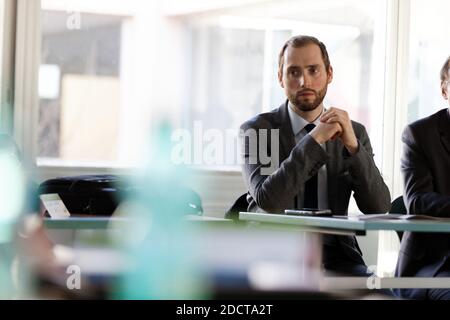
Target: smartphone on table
column 307, row 212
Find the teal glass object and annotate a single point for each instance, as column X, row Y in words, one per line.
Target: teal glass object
column 12, row 197
column 158, row 242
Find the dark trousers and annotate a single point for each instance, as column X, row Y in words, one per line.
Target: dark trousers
column 350, row 269
column 443, row 270
column 439, row 294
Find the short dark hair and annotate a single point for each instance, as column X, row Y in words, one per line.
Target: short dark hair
column 444, row 71
column 299, row 42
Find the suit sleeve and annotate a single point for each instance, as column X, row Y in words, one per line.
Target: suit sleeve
column 275, row 189
column 419, row 194
column 369, row 190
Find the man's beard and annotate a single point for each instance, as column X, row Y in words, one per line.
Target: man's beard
column 303, row 105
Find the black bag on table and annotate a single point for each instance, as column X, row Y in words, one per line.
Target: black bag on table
column 86, row 194
column 101, row 194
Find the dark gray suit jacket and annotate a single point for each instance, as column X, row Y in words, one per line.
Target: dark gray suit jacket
column 425, row 166
column 298, row 162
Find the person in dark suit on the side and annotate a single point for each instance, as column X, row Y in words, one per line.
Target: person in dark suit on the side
column 319, row 158
column 425, row 166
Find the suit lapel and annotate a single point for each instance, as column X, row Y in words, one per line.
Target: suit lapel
column 444, row 129
column 287, row 140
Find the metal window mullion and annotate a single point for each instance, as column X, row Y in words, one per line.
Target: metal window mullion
column 7, row 64
column 396, row 85
column 27, row 61
column 395, row 106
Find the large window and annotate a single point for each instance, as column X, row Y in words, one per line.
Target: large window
column 82, row 91
column 79, row 86
column 107, row 76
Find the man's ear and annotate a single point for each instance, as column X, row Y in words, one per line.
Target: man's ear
column 444, row 90
column 280, row 78
column 330, row 74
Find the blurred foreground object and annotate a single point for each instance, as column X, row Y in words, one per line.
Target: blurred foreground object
column 158, row 240
column 12, row 198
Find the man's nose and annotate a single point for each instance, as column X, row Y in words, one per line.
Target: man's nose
column 304, row 81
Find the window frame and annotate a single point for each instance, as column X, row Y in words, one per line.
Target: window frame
column 395, row 119
column 7, row 46
column 27, row 61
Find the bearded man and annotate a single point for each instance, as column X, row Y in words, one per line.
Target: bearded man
column 323, row 155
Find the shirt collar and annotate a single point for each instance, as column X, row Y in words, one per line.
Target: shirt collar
column 297, row 122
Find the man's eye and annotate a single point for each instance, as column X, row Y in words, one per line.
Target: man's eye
column 313, row 71
column 295, row 73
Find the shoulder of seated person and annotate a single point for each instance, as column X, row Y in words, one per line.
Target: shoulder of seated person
column 260, row 121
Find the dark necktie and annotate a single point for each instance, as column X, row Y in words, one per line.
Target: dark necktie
column 310, row 196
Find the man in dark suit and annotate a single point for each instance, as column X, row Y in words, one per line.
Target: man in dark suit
column 425, row 167
column 318, row 156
